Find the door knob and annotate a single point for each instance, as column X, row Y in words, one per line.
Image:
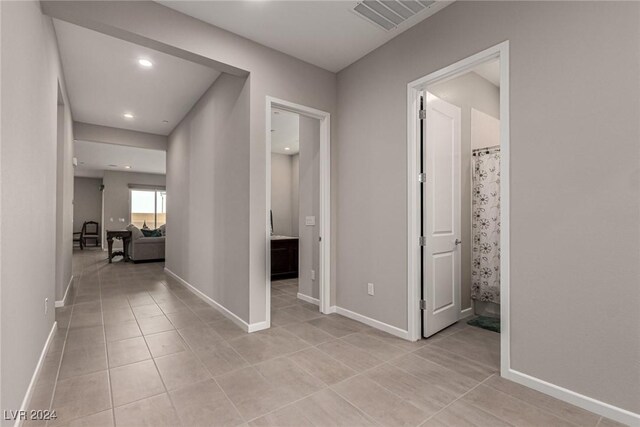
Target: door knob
column 458, row 242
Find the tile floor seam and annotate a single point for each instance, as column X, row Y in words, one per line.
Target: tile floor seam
column 373, row 420
column 364, row 370
column 64, row 345
column 382, row 385
column 212, row 377
column 285, row 405
column 463, row 395
column 310, row 373
column 104, row 332
column 166, row 390
column 435, row 347
column 532, row 406
column 229, row 399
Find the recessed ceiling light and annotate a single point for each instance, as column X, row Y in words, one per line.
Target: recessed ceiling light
column 145, row 63
column 128, row 116
column 127, row 167
column 287, row 148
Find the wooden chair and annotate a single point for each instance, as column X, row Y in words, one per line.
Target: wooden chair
column 90, row 231
column 77, row 238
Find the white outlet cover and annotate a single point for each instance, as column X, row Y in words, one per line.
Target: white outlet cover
column 313, row 275
column 370, row 288
column 310, row 220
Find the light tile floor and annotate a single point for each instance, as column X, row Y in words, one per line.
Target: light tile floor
column 137, row 349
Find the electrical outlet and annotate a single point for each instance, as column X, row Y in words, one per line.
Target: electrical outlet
column 370, row 289
column 313, row 275
column 46, row 305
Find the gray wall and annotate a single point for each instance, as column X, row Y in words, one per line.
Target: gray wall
column 271, row 73
column 109, row 135
column 309, row 204
column 282, row 195
column 117, row 198
column 295, row 194
column 468, row 91
column 28, row 173
column 64, row 198
column 208, row 195
column 575, row 210
column 87, row 201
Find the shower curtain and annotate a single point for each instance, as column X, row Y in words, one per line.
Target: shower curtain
column 485, row 275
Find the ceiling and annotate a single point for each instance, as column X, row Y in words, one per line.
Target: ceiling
column 105, row 81
column 96, row 157
column 325, row 33
column 285, row 132
column 490, row 71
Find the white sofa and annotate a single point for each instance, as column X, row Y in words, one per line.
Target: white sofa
column 146, row 248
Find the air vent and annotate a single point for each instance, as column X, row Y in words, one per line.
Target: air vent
column 388, row 14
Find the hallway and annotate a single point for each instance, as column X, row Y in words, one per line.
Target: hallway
column 138, row 349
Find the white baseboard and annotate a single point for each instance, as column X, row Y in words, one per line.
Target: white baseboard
column 332, row 309
column 307, row 298
column 577, row 399
column 258, row 326
column 400, row 333
column 466, row 312
column 222, row 309
column 36, row 373
column 66, row 294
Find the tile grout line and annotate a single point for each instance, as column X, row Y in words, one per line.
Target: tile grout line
column 164, row 385
column 460, row 397
column 106, row 350
column 202, row 364
column 73, row 307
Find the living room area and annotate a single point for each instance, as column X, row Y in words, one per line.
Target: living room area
column 120, row 197
column 125, row 100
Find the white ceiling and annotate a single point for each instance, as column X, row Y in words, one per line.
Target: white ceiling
column 325, row 33
column 490, row 71
column 104, row 81
column 285, row 132
column 96, row 157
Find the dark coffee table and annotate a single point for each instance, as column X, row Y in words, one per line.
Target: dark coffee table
column 125, row 236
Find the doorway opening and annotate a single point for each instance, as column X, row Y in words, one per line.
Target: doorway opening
column 298, row 206
column 458, row 180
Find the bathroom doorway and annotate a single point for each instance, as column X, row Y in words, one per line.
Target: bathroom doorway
column 458, row 201
column 298, row 227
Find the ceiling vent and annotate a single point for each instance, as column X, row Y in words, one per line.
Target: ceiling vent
column 388, row 14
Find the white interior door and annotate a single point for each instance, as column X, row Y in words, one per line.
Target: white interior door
column 441, row 272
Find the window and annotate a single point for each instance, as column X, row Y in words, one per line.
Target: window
column 148, row 207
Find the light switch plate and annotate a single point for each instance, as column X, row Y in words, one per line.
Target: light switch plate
column 310, row 220
column 370, row 289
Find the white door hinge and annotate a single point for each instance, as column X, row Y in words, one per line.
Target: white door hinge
column 422, row 177
column 423, row 304
column 422, row 241
column 422, row 114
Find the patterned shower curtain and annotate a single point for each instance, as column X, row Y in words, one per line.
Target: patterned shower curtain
column 485, row 277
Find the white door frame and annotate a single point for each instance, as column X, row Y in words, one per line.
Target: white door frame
column 500, row 51
column 325, row 198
